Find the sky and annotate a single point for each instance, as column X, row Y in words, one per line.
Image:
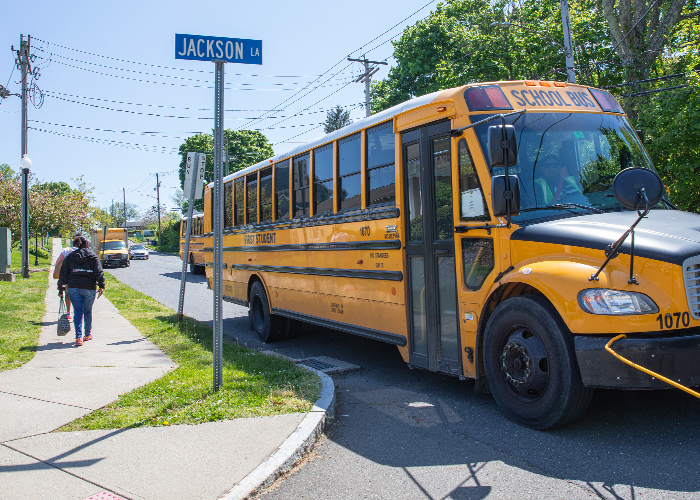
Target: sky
column 117, row 104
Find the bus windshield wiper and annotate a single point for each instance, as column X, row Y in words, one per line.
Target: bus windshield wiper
column 564, row 205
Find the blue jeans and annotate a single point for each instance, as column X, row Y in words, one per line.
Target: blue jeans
column 82, row 301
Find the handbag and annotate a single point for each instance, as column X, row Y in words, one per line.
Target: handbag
column 63, row 325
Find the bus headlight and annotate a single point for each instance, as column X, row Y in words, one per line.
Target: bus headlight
column 615, row 302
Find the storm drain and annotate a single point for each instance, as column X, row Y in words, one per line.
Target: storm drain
column 316, row 364
column 327, row 365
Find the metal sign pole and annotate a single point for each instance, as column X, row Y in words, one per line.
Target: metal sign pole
column 217, row 209
column 193, row 164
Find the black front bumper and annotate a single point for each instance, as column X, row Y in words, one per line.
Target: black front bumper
column 676, row 358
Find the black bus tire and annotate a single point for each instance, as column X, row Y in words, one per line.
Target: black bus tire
column 525, row 333
column 193, row 270
column 269, row 327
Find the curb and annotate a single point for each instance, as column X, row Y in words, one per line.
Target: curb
column 299, row 442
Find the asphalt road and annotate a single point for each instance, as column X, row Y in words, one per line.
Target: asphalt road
column 405, row 434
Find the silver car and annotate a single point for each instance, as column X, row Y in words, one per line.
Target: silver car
column 138, row 252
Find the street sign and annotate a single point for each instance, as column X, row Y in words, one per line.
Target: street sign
column 190, row 171
column 213, row 48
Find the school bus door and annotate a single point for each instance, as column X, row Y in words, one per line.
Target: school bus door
column 430, row 250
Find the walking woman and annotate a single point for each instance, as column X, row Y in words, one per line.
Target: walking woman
column 81, row 273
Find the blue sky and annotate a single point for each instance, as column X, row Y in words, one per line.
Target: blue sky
column 117, row 104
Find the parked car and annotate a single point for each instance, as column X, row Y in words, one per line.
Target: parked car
column 138, row 252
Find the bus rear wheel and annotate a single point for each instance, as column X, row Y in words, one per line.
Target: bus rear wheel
column 531, row 365
column 269, row 327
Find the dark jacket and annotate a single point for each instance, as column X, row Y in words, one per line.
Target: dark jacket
column 81, row 269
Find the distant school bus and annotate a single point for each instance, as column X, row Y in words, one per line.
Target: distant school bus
column 195, row 258
column 403, row 228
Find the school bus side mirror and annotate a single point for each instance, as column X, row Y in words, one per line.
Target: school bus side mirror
column 499, row 193
column 496, row 144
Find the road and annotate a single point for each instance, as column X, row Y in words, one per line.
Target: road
column 410, row 434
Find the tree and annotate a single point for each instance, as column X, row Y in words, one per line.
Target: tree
column 456, row 45
column 6, row 172
column 150, row 217
column 66, row 210
column 336, row 118
column 640, row 49
column 116, row 213
column 245, row 148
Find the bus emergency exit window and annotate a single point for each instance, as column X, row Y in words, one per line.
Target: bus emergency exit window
column 486, row 98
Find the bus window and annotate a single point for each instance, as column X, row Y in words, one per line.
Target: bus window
column 442, row 171
column 477, row 257
column 228, row 204
column 349, row 182
column 252, row 200
column 266, row 195
column 238, row 196
column 282, row 190
column 323, row 179
column 415, row 211
column 472, row 205
column 301, row 185
column 380, row 165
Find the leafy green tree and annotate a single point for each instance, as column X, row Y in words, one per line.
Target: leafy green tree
column 48, row 210
column 245, row 148
column 116, row 213
column 456, row 45
column 7, row 172
column 336, row 118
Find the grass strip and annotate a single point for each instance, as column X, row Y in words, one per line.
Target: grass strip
column 22, row 307
column 253, row 384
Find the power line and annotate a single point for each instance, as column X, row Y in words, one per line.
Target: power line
column 127, row 145
column 340, row 61
column 162, row 67
column 176, row 84
column 158, row 74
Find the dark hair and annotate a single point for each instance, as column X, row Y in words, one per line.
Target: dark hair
column 80, row 242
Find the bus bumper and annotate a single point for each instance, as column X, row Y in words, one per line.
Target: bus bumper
column 676, row 358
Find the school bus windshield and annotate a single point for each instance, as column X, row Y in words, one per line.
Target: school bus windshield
column 569, row 158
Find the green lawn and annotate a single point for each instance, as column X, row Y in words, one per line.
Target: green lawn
column 16, row 266
column 22, row 308
column 253, row 384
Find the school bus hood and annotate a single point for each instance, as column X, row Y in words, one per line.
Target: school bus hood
column 665, row 235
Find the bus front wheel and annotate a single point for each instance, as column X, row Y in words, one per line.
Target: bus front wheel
column 531, row 365
column 269, row 327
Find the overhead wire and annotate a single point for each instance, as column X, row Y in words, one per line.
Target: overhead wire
column 163, row 67
column 159, row 74
column 341, row 61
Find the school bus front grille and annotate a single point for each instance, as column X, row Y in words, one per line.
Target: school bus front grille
column 691, row 271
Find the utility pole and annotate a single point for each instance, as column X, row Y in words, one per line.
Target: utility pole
column 124, row 193
column 111, row 213
column 23, row 63
column 158, row 199
column 568, row 49
column 366, row 77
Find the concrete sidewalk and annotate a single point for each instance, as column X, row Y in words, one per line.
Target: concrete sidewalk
column 225, row 459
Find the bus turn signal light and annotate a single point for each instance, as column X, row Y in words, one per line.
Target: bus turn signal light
column 442, row 109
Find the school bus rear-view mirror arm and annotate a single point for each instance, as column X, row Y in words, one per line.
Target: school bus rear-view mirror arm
column 633, row 188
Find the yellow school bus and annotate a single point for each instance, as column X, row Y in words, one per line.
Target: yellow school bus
column 195, row 258
column 404, row 227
